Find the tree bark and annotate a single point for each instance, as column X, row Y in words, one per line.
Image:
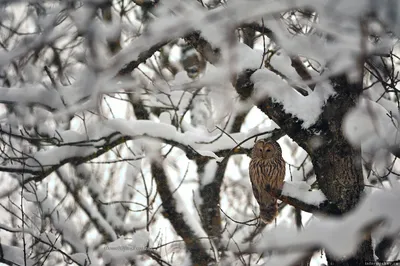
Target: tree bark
column 210, row 193
column 199, row 255
column 336, row 163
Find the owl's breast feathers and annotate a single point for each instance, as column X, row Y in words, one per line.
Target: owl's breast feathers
column 271, row 172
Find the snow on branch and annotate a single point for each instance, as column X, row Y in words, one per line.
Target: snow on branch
column 307, row 108
column 31, row 94
column 14, row 255
column 123, row 251
column 340, row 236
column 11, row 255
column 191, row 142
column 373, row 125
column 300, row 195
column 60, row 221
column 100, row 222
column 175, row 212
column 78, row 148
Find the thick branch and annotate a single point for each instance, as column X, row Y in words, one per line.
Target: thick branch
column 323, row 207
column 210, row 192
column 198, row 253
column 292, row 126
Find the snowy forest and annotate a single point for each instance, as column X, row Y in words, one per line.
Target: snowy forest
column 127, row 128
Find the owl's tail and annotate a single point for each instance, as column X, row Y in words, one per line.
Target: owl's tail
column 268, row 209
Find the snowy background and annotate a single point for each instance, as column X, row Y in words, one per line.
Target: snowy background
column 125, row 137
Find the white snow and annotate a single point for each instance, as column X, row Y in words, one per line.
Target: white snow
column 80, row 258
column 149, row 128
column 55, row 156
column 369, row 125
column 307, row 108
column 340, row 236
column 209, row 173
column 124, row 250
column 15, row 255
column 60, row 221
column 202, row 143
column 191, row 219
column 34, row 197
column 101, row 222
column 96, row 193
column 90, row 76
column 302, row 191
column 248, row 58
column 31, row 94
column 282, row 63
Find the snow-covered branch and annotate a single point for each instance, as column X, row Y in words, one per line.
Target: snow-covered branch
column 15, row 255
column 180, row 219
column 300, row 195
column 340, row 236
column 77, row 149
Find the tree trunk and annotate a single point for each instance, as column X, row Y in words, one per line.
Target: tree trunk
column 338, row 169
column 336, row 163
column 198, row 253
column 210, row 193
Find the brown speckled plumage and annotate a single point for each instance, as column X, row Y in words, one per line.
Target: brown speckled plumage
column 266, row 167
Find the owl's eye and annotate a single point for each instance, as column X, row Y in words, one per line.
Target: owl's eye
column 261, row 150
column 268, row 150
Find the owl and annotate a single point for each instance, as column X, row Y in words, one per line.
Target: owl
column 266, row 167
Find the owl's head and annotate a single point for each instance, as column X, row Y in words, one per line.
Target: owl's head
column 266, row 149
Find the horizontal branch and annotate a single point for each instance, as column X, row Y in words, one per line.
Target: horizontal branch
column 305, row 200
column 42, row 163
column 351, row 230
